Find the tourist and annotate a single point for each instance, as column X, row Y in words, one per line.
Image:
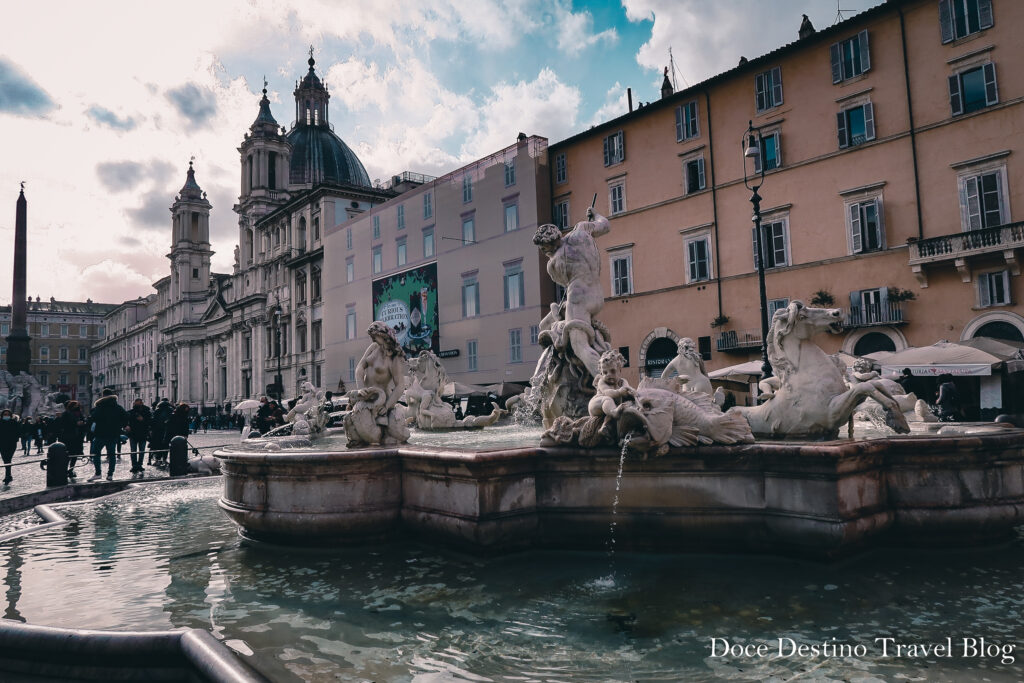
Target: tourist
column 10, row 432
column 69, row 429
column 262, row 418
column 107, row 419
column 178, row 423
column 158, row 432
column 139, row 420
column 28, row 430
column 948, row 399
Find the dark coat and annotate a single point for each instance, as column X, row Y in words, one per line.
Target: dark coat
column 108, row 418
column 178, row 425
column 10, row 434
column 69, row 428
column 139, row 421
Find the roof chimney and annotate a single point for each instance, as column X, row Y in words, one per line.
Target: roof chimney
column 629, row 98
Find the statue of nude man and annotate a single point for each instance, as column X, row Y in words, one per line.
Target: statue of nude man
column 689, row 365
column 574, row 262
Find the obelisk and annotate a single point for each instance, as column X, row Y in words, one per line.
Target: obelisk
column 18, row 351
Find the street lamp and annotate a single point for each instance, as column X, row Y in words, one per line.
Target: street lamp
column 753, row 143
column 278, row 384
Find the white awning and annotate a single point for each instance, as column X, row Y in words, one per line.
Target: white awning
column 960, row 370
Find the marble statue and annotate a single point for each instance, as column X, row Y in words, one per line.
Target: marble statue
column 810, row 399
column 689, row 366
column 572, row 337
column 376, row 417
column 423, row 397
column 309, row 415
column 21, row 393
column 913, row 408
column 658, row 415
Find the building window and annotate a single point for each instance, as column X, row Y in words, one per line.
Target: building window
column 62, row 379
column 64, row 331
column 865, row 223
column 300, row 288
column 776, row 305
column 621, row 268
column 471, row 355
column 470, row 296
column 247, row 347
column 768, row 89
column 515, row 346
column 83, row 331
column 316, row 228
column 468, row 231
column 982, row 204
column 561, row 174
column 101, row 331
column 698, row 259
column 510, row 172
column 850, row 57
column 617, row 197
column 350, row 323
column 314, row 285
column 960, row 18
column 351, row 369
column 694, row 172
column 534, row 335
column 5, row 329
column 467, row 189
column 686, row 121
column 614, row 148
column 771, row 152
column 870, row 305
column 973, row 89
column 511, row 217
column 515, row 293
column 376, row 227
column 428, row 243
column 44, row 354
column 300, row 333
column 83, row 379
column 44, row 379
column 82, row 354
column 44, row 330
column 317, row 333
column 561, row 215
column 776, row 236
column 428, row 205
column 400, row 252
column 378, row 263
column 348, row 238
column 856, row 125
column 994, row 288
column 400, row 211
column 350, row 269
column 64, row 354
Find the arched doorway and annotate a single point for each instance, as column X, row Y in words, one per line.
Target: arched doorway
column 872, row 342
column 1000, row 329
column 660, row 353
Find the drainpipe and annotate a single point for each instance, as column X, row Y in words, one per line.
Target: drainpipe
column 714, row 202
column 910, row 115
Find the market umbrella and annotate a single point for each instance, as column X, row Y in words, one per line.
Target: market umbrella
column 943, row 358
column 460, row 389
column 745, row 373
column 247, row 404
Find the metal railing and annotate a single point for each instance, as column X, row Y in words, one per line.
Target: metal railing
column 738, row 339
column 890, row 313
column 973, row 242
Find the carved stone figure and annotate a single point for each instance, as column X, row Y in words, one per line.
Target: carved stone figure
column 21, row 393
column 309, row 414
column 689, row 366
column 914, row 410
column 426, row 407
column 376, row 418
column 573, row 338
column 812, row 400
column 612, row 391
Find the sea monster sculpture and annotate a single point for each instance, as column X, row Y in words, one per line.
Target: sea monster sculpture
column 810, row 399
column 423, row 397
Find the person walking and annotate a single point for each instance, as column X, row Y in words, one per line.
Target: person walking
column 158, row 432
column 108, row 419
column 139, row 420
column 27, row 433
column 69, row 428
column 179, row 423
column 948, row 399
column 10, row 432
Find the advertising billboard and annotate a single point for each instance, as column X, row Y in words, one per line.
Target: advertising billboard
column 407, row 302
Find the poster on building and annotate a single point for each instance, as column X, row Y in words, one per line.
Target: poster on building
column 407, row 301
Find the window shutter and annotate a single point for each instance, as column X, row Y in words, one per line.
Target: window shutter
column 700, row 173
column 844, row 139
column 521, row 281
column 855, row 306
column 856, row 234
column 972, row 203
column 991, row 91
column 1004, row 275
column 865, row 52
column 760, row 92
column 1003, row 213
column 757, row 252
column 985, row 19
column 984, row 296
column 622, row 145
column 694, row 121
column 869, row 121
column 883, row 304
column 776, row 86
column 679, row 124
column 837, row 63
column 778, row 244
column 691, row 259
column 778, row 148
column 607, row 151
column 956, row 101
column 757, row 158
column 880, row 218
column 946, row 21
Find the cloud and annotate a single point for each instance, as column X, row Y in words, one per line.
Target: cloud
column 114, row 281
column 196, row 103
column 154, row 212
column 575, row 32
column 106, row 117
column 120, row 176
column 19, row 94
column 616, row 103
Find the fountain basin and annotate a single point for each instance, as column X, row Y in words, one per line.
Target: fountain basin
column 818, row 499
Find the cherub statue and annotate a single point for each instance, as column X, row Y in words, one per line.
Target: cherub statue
column 612, row 391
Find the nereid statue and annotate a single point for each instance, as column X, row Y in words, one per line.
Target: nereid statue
column 376, row 417
column 426, row 407
column 689, row 367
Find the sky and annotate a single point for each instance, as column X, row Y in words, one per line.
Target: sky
column 104, row 103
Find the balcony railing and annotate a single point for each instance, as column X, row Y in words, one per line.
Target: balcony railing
column 890, row 313
column 737, row 340
column 959, row 245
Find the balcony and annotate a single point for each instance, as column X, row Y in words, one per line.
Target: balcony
column 890, row 313
column 959, row 247
column 736, row 341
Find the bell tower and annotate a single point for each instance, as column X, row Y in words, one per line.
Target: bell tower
column 190, row 242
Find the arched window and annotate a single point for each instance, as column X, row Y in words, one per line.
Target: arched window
column 314, row 281
column 873, row 341
column 1000, row 330
column 300, row 238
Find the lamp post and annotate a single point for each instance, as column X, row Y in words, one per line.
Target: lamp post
column 753, row 144
column 278, row 383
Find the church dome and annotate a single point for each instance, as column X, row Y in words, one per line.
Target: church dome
column 320, row 156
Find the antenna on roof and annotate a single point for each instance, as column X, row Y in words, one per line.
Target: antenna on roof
column 839, row 13
column 672, row 68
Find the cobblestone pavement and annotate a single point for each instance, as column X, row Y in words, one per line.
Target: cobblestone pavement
column 30, row 478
